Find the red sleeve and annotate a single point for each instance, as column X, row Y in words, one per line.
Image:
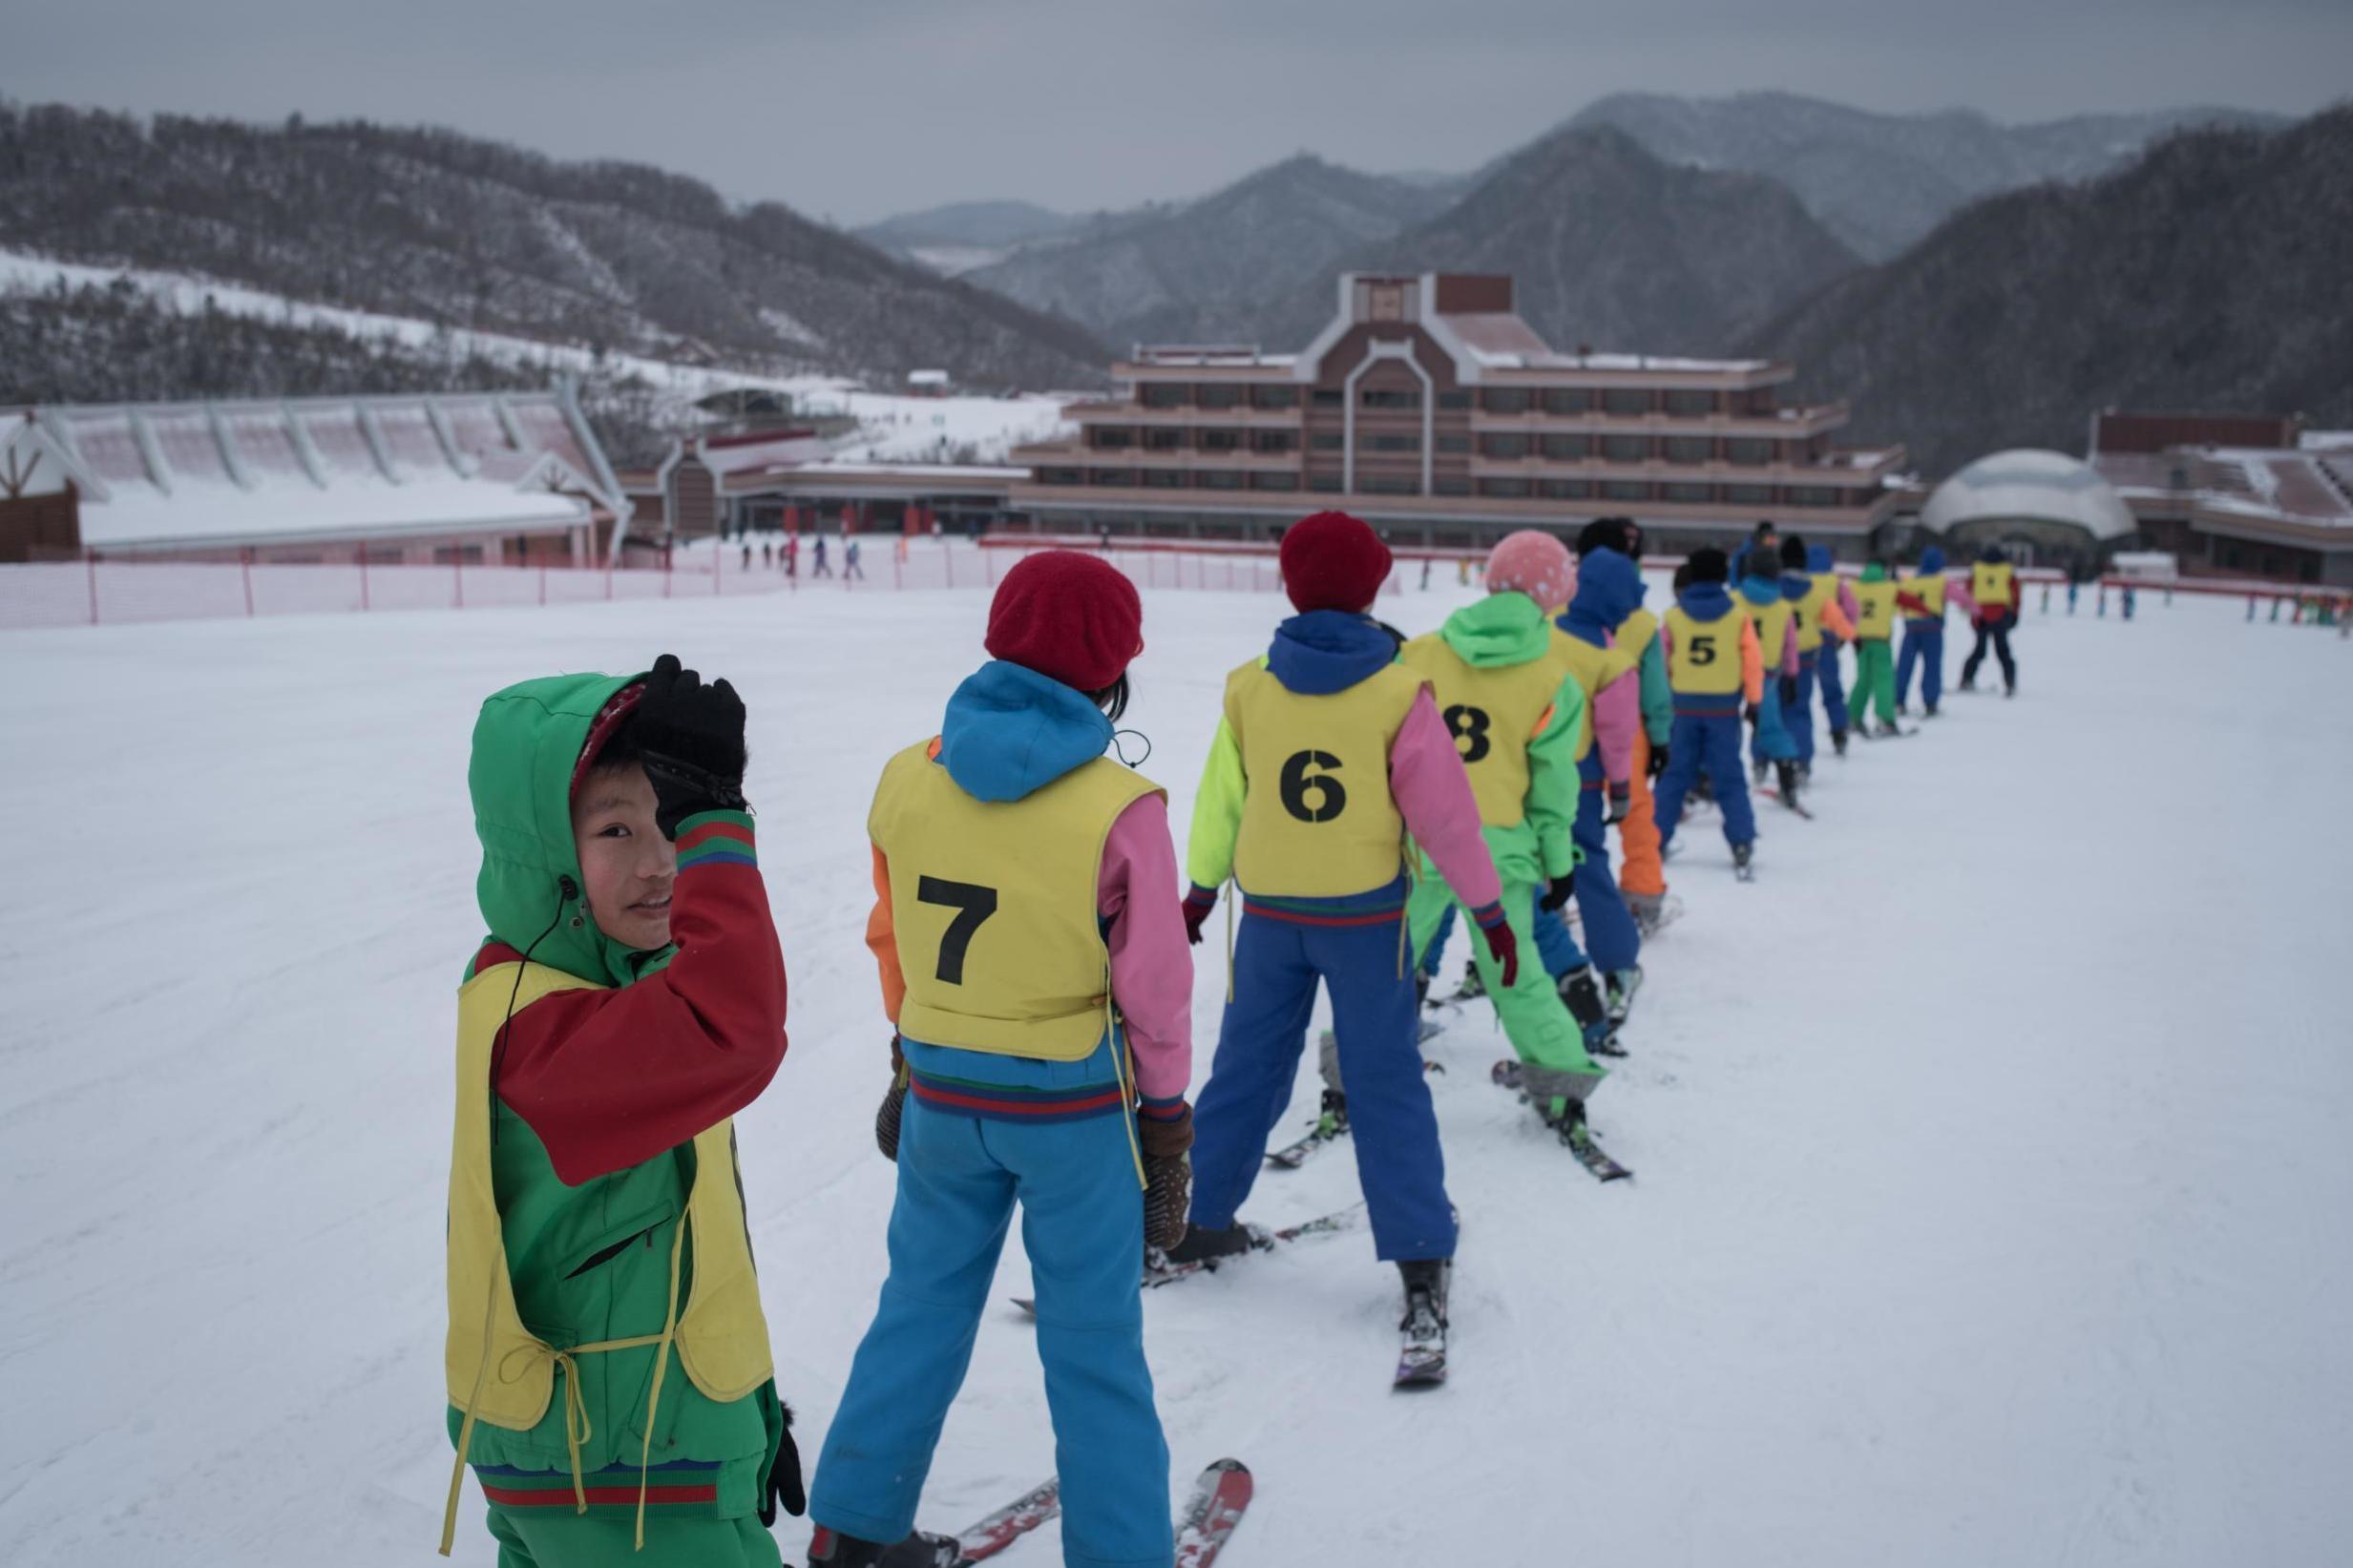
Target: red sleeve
column 610, row 1078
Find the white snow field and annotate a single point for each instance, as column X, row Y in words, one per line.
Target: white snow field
column 1994, row 1179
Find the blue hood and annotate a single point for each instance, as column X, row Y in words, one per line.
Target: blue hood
column 1608, row 588
column 1795, row 585
column 1706, row 601
column 1761, row 589
column 1327, row 651
column 1818, row 558
column 1931, row 559
column 1010, row 732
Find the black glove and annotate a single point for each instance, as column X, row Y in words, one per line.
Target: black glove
column 1789, row 691
column 780, row 1487
column 1620, row 802
column 893, row 1106
column 1749, row 713
column 1658, row 759
column 1557, row 892
column 691, row 737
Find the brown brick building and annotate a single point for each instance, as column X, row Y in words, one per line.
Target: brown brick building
column 1429, row 407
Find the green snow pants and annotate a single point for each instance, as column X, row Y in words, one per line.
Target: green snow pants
column 1535, row 1019
column 605, row 1536
column 1875, row 679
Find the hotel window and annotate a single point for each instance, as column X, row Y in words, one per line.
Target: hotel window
column 1218, row 394
column 1690, row 494
column 1328, row 397
column 1389, row 397
column 1451, row 484
column 1689, row 403
column 1274, row 481
column 1816, row 496
column 1273, row 441
column 1689, row 448
column 1164, row 394
column 1275, row 397
column 1626, row 449
column 1567, row 400
column 1119, row 478
column 1325, row 483
column 1218, row 479
column 1747, row 496
column 1749, row 450
column 1454, row 443
column 1164, row 479
column 1327, row 441
column 1504, row 400
column 1503, row 446
column 1625, row 489
column 1626, row 400
column 1456, row 400
column 1061, row 477
column 1393, row 443
column 1568, row 490
column 1110, row 438
column 1509, row 489
column 1567, row 449
column 1389, row 484
column 1220, row 441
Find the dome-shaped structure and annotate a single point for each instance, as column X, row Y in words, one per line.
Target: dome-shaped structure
column 2045, row 496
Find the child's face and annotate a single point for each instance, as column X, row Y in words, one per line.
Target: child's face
column 627, row 863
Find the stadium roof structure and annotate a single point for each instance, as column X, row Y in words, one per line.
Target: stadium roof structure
column 2026, row 487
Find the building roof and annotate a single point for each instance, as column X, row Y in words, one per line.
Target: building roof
column 2026, row 485
column 216, row 475
column 2261, row 475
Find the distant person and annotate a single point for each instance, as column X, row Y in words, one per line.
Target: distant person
column 792, row 557
column 1608, row 591
column 1711, row 663
column 628, row 1002
column 768, row 553
column 850, row 561
column 1812, row 599
column 1875, row 664
column 1921, row 598
column 820, row 569
column 1841, row 631
column 1770, row 744
column 1994, row 586
column 1642, row 876
column 747, row 553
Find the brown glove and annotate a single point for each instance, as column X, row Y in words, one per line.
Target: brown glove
column 1167, row 1175
column 893, row 1106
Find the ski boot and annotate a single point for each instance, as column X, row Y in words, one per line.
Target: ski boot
column 1425, row 1287
column 1838, row 741
column 1333, row 1118
column 2010, row 688
column 1927, row 710
column 1618, row 986
column 1806, row 772
column 1744, row 856
column 1785, row 774
column 1200, row 1245
column 1757, row 770
column 1583, row 998
column 1646, row 908
column 1969, row 682
column 920, row 1550
column 1473, row 987
column 1903, row 710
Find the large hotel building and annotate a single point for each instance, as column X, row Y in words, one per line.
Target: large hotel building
column 1430, row 409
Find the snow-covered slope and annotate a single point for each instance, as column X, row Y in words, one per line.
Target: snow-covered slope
column 1992, row 1188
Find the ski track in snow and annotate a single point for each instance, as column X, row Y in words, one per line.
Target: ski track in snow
column 1992, row 1194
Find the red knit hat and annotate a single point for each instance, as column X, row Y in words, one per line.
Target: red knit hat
column 1071, row 617
column 1333, row 561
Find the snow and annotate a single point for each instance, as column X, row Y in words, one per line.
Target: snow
column 196, row 511
column 1992, row 1191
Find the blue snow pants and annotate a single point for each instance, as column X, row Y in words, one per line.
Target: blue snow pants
column 1357, row 948
column 1610, row 933
column 1834, row 688
column 1710, row 740
column 1924, row 644
column 1082, row 1226
column 1438, row 939
column 1798, row 718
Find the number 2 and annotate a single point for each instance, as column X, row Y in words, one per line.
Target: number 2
column 972, row 903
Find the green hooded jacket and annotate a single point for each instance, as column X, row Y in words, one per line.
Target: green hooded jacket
column 588, row 1262
column 1497, row 631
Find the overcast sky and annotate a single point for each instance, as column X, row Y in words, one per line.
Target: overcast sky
column 859, row 111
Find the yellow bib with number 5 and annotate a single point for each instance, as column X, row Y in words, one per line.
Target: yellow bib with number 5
column 1704, row 656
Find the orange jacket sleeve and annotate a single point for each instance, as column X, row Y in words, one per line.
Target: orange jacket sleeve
column 882, row 937
column 1751, row 663
column 1835, row 620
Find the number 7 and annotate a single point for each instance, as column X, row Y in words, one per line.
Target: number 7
column 972, row 903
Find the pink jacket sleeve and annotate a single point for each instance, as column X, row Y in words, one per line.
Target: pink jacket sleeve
column 1433, row 795
column 1848, row 602
column 1617, row 717
column 1959, row 594
column 1789, row 651
column 1152, row 965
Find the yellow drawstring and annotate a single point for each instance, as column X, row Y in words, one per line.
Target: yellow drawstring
column 1124, row 1070
column 577, row 1428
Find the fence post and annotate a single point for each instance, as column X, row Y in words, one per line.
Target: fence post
column 669, row 568
column 91, row 557
column 363, row 579
column 245, row 570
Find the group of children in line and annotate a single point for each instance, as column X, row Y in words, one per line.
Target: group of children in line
column 1033, row 942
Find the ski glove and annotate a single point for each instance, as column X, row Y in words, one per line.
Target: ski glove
column 1620, row 802
column 691, row 737
column 893, row 1106
column 1198, row 904
column 1167, row 1175
column 1658, row 759
column 1500, row 943
column 1557, row 892
column 1789, row 691
column 782, row 1487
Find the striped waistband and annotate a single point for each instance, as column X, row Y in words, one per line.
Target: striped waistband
column 679, row 1482
column 1016, row 1102
column 1382, row 914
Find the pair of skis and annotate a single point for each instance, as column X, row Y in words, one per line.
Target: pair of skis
column 1573, row 1130
column 1221, row 1495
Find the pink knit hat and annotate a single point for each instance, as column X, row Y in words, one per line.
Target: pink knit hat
column 1534, row 563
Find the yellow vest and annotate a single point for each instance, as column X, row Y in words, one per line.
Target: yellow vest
column 1494, row 712
column 1875, row 605
column 1704, row 656
column 1993, row 583
column 1773, row 627
column 1635, row 632
column 497, row 1370
column 992, row 904
column 1318, row 818
column 1807, row 612
column 1931, row 592
column 1594, row 668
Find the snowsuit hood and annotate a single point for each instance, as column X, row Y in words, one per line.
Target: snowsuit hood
column 1706, row 601
column 527, row 740
column 1818, row 558
column 1795, row 585
column 1760, row 591
column 1010, row 732
column 1993, row 555
column 1325, row 651
column 1499, row 631
column 1931, row 559
column 1608, row 589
